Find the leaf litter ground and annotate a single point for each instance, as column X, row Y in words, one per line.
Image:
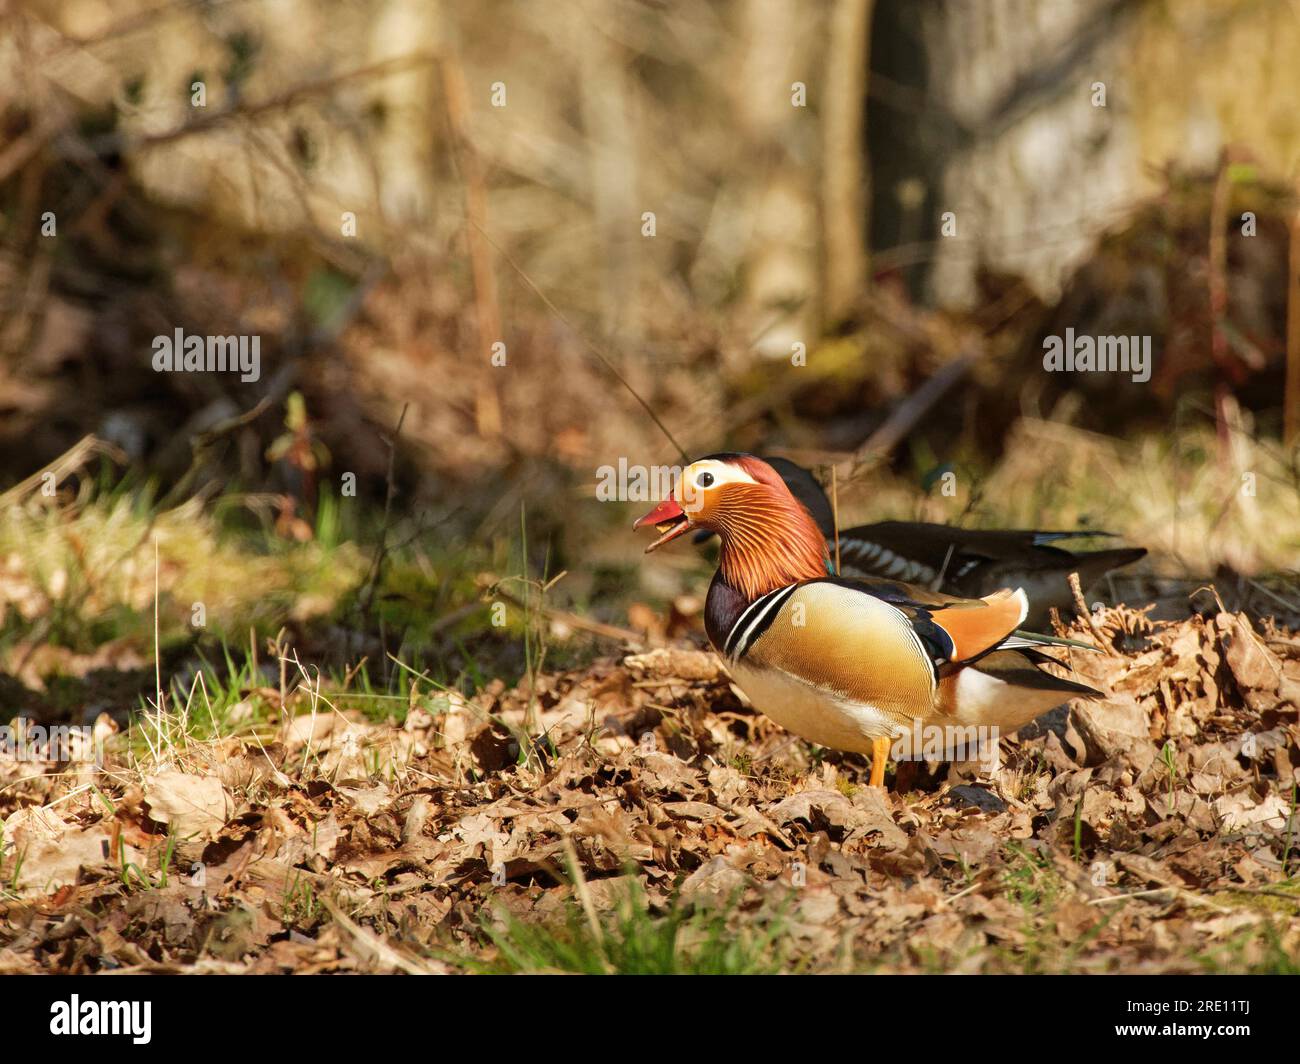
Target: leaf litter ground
column 636, row 815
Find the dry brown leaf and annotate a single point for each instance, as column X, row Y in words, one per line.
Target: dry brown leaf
column 368, row 800
column 866, row 814
column 1118, row 725
column 1244, row 810
column 1257, row 670
column 32, row 825
column 675, row 664
column 189, row 805
column 49, row 864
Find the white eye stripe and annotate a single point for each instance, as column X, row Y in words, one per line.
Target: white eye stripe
column 722, row 473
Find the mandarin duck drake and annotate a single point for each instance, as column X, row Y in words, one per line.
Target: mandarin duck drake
column 850, row 664
column 960, row 561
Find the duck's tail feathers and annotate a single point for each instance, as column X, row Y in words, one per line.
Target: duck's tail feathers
column 1021, row 667
column 1020, row 639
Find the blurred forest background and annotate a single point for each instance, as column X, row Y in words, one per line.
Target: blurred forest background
column 686, row 192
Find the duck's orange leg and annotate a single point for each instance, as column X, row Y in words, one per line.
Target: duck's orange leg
column 879, row 755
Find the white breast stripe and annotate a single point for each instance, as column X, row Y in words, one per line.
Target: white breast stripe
column 738, row 641
column 736, row 628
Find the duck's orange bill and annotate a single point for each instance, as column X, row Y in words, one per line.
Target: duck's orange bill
column 668, row 518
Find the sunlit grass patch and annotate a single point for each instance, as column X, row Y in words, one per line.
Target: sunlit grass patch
column 1268, row 948
column 631, row 939
column 81, row 574
column 1031, row 881
column 1277, row 899
column 1029, row 878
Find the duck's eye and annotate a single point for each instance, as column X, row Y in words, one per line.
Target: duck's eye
column 704, row 480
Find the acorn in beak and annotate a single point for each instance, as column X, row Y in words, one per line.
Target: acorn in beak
column 668, row 519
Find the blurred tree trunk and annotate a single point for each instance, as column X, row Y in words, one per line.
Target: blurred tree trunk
column 1291, row 399
column 776, row 46
column 1021, row 105
column 844, row 163
column 607, row 118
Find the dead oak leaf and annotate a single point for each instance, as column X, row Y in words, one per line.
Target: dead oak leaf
column 50, row 863
column 189, row 805
column 1117, row 725
column 480, row 830
column 665, row 774
column 1242, row 810
column 865, row 815
column 30, row 825
column 368, row 800
column 674, row 664
column 1257, row 670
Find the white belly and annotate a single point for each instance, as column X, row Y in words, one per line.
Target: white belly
column 986, row 701
column 812, row 714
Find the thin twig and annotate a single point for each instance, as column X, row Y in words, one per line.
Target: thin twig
column 574, row 620
column 1272, row 892
column 73, row 459
column 1081, row 607
column 487, row 409
column 835, row 516
column 203, row 442
column 375, row 948
column 1171, row 892
column 124, row 144
column 910, row 411
column 609, row 365
column 366, row 597
column 367, row 594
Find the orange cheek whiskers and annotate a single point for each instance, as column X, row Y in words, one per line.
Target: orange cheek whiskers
column 767, row 542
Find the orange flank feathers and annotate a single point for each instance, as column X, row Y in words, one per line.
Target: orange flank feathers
column 979, row 625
